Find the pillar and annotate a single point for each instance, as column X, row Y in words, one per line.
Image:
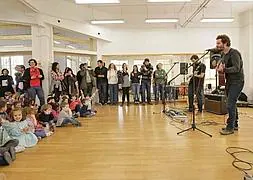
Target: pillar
column 246, row 48
column 42, row 51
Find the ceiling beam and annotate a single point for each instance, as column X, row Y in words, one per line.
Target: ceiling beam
column 196, row 12
column 15, row 37
column 27, row 4
column 71, row 39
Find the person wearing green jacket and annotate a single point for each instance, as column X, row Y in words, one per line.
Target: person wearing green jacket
column 160, row 79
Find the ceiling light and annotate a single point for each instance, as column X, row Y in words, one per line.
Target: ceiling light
column 97, row 1
column 167, row 1
column 217, row 20
column 57, row 42
column 107, row 22
column 239, row 0
column 72, row 47
column 161, row 20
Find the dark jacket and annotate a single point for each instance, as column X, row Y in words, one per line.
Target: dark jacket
column 101, row 71
column 82, row 74
column 8, row 87
column 27, row 78
column 45, row 118
column 135, row 77
column 233, row 67
column 146, row 74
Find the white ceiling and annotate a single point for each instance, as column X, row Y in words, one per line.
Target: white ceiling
column 134, row 12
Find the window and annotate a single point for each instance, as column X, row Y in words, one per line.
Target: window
column 10, row 62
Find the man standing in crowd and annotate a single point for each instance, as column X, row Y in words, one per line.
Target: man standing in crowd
column 232, row 66
column 101, row 75
column 146, row 72
column 19, row 78
column 33, row 77
column 198, row 84
column 85, row 80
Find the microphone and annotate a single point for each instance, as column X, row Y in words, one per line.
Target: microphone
column 215, row 50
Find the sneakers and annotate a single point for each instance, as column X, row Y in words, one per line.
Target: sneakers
column 7, row 158
column 226, row 131
column 19, row 149
column 235, row 128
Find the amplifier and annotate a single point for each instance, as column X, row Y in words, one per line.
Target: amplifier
column 216, row 103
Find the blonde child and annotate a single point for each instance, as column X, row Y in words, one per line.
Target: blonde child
column 19, row 129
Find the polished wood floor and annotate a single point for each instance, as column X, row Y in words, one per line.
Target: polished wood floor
column 134, row 143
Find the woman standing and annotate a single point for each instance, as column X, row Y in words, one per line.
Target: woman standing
column 112, row 77
column 56, row 82
column 125, row 85
column 70, row 82
column 135, row 78
column 6, row 83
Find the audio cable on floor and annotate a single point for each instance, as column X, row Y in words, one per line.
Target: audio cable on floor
column 234, row 152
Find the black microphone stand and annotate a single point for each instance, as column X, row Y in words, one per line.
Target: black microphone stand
column 193, row 126
column 164, row 101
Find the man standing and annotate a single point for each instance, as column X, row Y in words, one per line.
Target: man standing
column 196, row 83
column 146, row 72
column 33, row 77
column 232, row 66
column 85, row 80
column 101, row 75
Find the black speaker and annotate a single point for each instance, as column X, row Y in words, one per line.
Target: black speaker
column 184, row 68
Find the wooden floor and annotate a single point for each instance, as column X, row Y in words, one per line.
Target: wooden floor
column 132, row 143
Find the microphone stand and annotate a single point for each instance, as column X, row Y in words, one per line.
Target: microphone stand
column 164, row 101
column 193, row 126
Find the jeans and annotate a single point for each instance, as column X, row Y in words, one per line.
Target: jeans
column 33, row 91
column 159, row 91
column 88, row 90
column 136, row 91
column 146, row 87
column 113, row 93
column 71, row 121
column 233, row 91
column 6, row 147
column 102, row 87
column 199, row 91
column 125, row 94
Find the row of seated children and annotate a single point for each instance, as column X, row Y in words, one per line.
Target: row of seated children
column 23, row 124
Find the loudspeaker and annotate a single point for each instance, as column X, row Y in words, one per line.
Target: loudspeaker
column 184, row 68
column 215, row 103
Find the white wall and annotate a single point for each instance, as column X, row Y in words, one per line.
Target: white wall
column 152, row 41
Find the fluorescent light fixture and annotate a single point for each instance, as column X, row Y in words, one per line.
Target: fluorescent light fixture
column 14, row 46
column 239, row 0
column 161, row 20
column 107, row 22
column 97, row 1
column 168, row 1
column 217, row 20
column 72, row 47
column 57, row 42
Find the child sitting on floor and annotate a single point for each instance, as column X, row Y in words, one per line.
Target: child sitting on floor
column 3, row 109
column 66, row 117
column 35, row 126
column 55, row 106
column 7, row 144
column 19, row 129
column 46, row 118
column 74, row 102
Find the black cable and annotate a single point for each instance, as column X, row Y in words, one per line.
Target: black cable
column 233, row 151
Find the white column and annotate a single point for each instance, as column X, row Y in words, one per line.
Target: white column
column 42, row 51
column 246, row 48
column 100, row 45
